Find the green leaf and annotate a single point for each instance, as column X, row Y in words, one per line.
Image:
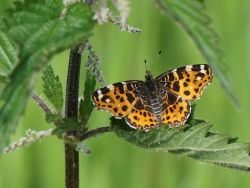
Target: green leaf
column 86, row 105
column 190, row 15
column 55, row 119
column 40, row 28
column 65, row 125
column 8, row 55
column 193, row 141
column 52, row 88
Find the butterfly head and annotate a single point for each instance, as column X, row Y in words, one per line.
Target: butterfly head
column 148, row 76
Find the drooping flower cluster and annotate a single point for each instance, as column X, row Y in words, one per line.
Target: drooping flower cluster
column 30, row 137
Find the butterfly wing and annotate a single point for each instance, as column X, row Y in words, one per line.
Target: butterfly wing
column 188, row 82
column 141, row 116
column 176, row 110
column 126, row 99
column 118, row 99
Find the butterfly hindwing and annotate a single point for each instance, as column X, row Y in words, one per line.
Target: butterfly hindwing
column 176, row 110
column 187, row 82
column 141, row 117
column 118, row 98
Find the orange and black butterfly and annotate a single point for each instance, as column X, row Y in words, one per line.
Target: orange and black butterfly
column 155, row 101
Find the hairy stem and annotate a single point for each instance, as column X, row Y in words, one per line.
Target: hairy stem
column 41, row 103
column 71, row 111
column 95, row 132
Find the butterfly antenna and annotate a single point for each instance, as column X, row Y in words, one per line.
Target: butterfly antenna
column 157, row 60
column 145, row 62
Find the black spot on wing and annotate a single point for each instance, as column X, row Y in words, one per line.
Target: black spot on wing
column 139, row 105
column 129, row 87
column 196, row 68
column 104, row 98
column 105, row 90
column 130, row 97
column 181, row 69
column 206, row 67
column 170, row 76
column 171, row 98
column 179, row 73
column 176, row 86
column 171, row 109
column 95, row 96
column 187, row 93
column 199, row 74
column 180, row 109
column 120, row 86
column 124, row 108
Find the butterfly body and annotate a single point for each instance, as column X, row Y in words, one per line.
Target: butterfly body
column 155, row 101
column 151, row 96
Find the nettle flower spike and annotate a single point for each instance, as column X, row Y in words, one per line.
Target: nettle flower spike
column 30, row 137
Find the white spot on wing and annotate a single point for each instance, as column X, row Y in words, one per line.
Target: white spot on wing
column 174, row 70
column 189, row 67
column 107, row 100
column 198, row 78
column 99, row 91
column 100, row 96
column 110, row 87
column 202, row 67
column 203, row 71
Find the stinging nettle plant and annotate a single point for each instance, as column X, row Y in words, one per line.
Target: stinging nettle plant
column 34, row 31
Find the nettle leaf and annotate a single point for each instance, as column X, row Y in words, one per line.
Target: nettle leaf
column 40, row 29
column 65, row 125
column 52, row 88
column 86, row 106
column 191, row 17
column 193, row 141
column 8, row 55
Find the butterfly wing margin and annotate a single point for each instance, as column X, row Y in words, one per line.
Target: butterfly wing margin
column 118, row 99
column 187, row 82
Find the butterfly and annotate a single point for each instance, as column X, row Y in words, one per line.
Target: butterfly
column 155, row 101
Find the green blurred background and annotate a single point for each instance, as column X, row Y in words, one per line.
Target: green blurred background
column 116, row 163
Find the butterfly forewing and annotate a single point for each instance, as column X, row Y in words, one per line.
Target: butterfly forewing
column 187, row 82
column 118, row 98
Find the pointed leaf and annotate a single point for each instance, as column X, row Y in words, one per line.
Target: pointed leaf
column 86, row 105
column 8, row 55
column 193, row 141
column 52, row 88
column 64, row 126
column 40, row 28
column 191, row 17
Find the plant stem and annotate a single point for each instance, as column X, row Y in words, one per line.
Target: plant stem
column 71, row 111
column 95, row 132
